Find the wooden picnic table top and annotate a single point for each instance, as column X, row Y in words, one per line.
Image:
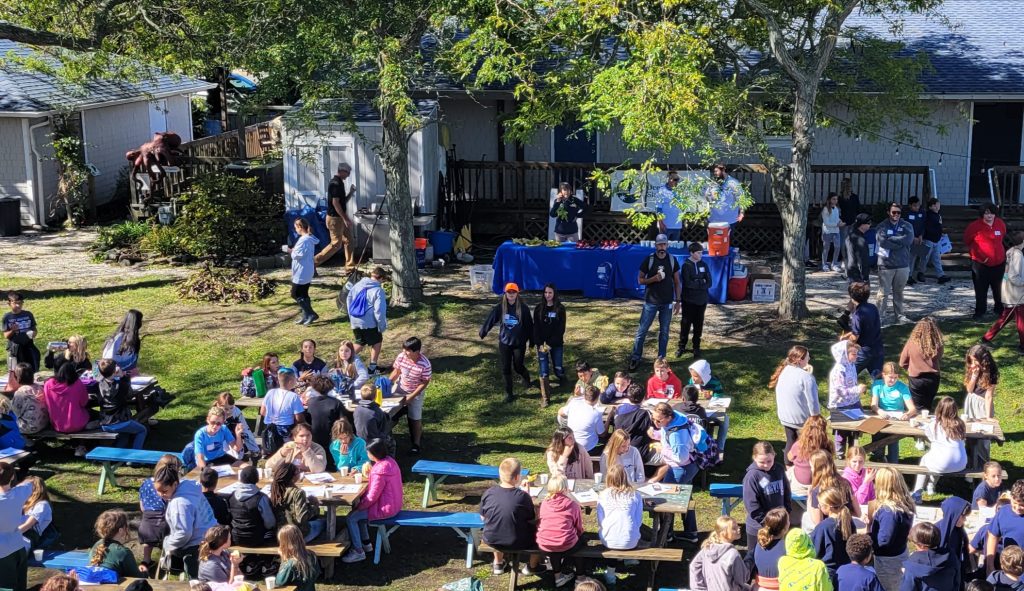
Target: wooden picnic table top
column 336, row 499
column 909, row 429
column 171, row 585
column 391, row 405
column 675, row 499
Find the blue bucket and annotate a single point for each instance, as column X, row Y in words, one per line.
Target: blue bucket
column 443, row 242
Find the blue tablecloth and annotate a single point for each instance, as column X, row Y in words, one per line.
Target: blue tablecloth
column 596, row 272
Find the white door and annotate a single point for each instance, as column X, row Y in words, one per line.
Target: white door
column 158, row 116
column 305, row 176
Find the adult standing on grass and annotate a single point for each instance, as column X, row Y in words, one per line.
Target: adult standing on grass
column 303, row 267
column 894, row 237
column 515, row 332
column 849, row 211
column 367, row 306
column 411, row 375
column 984, row 237
column 1012, row 292
column 338, row 223
column 694, row 300
column 13, row 553
column 796, row 393
column 549, row 337
column 659, row 273
column 922, row 358
column 855, row 245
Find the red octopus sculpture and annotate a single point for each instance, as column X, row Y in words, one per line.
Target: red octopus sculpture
column 161, row 151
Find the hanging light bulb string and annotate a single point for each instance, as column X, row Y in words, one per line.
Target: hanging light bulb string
column 897, row 142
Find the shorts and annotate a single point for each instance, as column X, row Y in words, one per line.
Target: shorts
column 415, row 408
column 367, row 337
column 152, row 528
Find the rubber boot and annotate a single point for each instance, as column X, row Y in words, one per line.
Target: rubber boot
column 305, row 313
column 311, row 316
column 545, row 389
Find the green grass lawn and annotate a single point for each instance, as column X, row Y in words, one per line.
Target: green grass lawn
column 197, row 350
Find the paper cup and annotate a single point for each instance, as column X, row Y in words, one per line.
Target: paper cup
column 543, row 479
column 38, row 555
column 270, row 583
column 598, row 478
column 284, row 248
column 359, row 477
column 344, row 471
column 239, row 579
column 924, row 414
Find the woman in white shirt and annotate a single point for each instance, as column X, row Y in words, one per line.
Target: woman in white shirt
column 13, row 554
column 830, row 223
column 620, row 452
column 620, row 511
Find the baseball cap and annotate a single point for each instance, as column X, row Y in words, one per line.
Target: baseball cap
column 862, row 218
column 511, row 287
column 661, row 239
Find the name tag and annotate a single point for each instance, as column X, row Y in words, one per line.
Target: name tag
column 889, row 232
column 211, row 446
column 552, row 314
column 998, row 233
column 702, row 268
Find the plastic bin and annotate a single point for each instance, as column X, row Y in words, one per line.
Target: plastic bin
column 421, row 252
column 481, row 277
column 443, row 242
column 737, row 289
column 10, row 217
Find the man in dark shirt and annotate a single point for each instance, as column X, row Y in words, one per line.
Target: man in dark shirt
column 338, row 222
column 509, row 516
column 323, row 412
column 932, row 236
column 660, row 274
column 696, row 283
column 918, row 251
column 858, row 257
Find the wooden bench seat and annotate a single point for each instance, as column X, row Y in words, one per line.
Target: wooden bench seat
column 466, row 525
column 93, row 435
column 111, row 457
column 327, row 549
column 918, row 470
column 594, row 550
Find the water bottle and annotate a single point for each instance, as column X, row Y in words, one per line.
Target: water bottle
column 260, row 382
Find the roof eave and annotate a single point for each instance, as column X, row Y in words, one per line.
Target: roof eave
column 26, row 114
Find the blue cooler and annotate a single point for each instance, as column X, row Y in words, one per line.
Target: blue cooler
column 443, row 242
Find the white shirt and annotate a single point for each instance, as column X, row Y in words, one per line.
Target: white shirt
column 586, row 422
column 631, row 461
column 619, row 518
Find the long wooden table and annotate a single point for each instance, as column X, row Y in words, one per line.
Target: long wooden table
column 391, row 406
column 895, row 430
column 160, row 585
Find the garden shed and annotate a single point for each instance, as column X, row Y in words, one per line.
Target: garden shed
column 312, row 152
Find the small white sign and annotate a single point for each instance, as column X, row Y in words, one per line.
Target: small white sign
column 763, row 290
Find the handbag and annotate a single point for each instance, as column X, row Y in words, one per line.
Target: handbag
column 944, row 244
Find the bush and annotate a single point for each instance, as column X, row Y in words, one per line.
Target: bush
column 163, row 241
column 225, row 285
column 127, row 235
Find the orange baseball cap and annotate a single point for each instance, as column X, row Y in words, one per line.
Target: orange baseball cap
column 511, row 287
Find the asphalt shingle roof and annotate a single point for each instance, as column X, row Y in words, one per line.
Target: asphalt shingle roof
column 28, row 91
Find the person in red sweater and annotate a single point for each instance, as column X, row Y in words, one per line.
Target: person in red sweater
column 560, row 531
column 984, row 237
column 664, row 383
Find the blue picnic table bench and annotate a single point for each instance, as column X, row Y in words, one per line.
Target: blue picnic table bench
column 467, row 525
column 61, row 560
column 437, row 472
column 732, row 495
column 111, row 457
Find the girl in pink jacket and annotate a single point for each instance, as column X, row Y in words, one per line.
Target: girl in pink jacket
column 560, row 532
column 383, row 499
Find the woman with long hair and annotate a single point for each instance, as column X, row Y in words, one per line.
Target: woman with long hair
column 921, row 358
column 516, row 330
column 890, row 517
column 566, row 457
column 981, row 374
column 831, row 533
column 769, row 548
column 948, row 453
column 124, row 345
column 813, row 437
column 825, row 475
column 216, row 565
column 796, row 393
column 348, row 371
column 111, row 550
column 830, row 233
column 549, row 337
column 299, row 566
column 619, row 452
column 76, row 352
column 291, row 504
column 303, row 268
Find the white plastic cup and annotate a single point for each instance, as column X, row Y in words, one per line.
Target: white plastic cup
column 284, row 248
column 327, row 494
column 270, row 582
column 543, row 479
column 924, row 414
column 344, row 471
column 598, row 478
column 359, row 477
column 38, row 555
column 239, row 579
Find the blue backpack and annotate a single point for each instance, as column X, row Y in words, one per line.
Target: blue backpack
column 383, row 383
column 359, row 304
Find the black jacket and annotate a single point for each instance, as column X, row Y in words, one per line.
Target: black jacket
column 858, row 260
column 849, row 208
column 371, row 422
column 932, row 226
column 573, row 209
column 635, row 420
column 115, row 397
column 549, row 325
column 516, row 325
column 696, row 282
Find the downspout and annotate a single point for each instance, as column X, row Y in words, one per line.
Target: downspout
column 41, row 201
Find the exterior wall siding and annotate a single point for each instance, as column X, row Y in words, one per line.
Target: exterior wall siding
column 109, row 133
column 13, row 180
column 179, row 116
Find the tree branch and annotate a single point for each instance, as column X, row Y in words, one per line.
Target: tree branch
column 36, row 37
column 830, row 35
column 777, row 41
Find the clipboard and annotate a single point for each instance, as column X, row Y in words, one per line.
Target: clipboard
column 873, row 425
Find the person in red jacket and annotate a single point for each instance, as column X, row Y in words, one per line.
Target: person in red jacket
column 984, row 237
column 664, row 383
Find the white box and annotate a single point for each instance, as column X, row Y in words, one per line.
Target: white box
column 480, row 277
column 763, row 290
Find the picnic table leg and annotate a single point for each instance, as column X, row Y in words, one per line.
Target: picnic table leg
column 328, row 568
column 381, row 534
column 429, row 484
column 470, row 545
column 106, row 473
column 654, row 572
column 332, row 522
column 881, row 443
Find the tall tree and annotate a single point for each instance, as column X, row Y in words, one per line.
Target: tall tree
column 715, row 78
column 351, row 50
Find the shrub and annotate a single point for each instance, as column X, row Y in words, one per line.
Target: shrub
column 225, row 285
column 123, row 235
column 163, row 241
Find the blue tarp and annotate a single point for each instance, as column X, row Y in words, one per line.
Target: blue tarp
column 317, row 219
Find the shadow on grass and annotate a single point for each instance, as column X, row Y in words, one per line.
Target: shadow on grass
column 44, row 294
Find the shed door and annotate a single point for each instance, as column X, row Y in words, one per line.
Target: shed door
column 995, row 141
column 306, row 175
column 158, row 116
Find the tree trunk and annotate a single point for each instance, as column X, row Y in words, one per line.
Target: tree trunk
column 394, row 156
column 794, row 182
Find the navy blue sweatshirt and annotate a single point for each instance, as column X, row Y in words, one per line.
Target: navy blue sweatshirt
column 573, row 208
column 854, row 577
column 866, row 323
column 830, row 546
column 928, row 570
column 917, row 220
column 516, row 324
column 1001, row 582
column 767, row 559
column 890, row 531
column 549, row 325
column 932, row 226
column 764, row 491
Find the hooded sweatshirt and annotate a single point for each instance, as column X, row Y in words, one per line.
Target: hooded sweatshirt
column 659, row 388
column 549, row 324
column 890, row 530
column 1013, row 277
column 843, row 390
column 863, row 490
column 561, row 523
column 515, row 322
column 677, row 440
column 830, row 546
column 244, row 492
column 383, row 498
column 376, row 315
column 799, row 569
column 894, row 242
column 1001, row 582
column 954, row 539
column 188, row 516
column 719, row 567
column 709, row 382
column 929, row 570
column 764, row 490
column 796, row 396
column 858, row 257
column 302, row 259
column 856, row 577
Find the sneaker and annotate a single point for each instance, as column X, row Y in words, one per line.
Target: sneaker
column 680, row 351
column 901, row 319
column 911, row 281
column 920, row 278
column 944, row 279
column 80, row 451
column 918, row 496
column 497, row 568
column 697, row 354
column 311, row 319
column 930, row 489
column 919, row 445
column 415, row 449
column 562, row 579
column 301, row 320
column 525, row 569
column 825, row 268
column 609, row 577
column 353, row 556
column 689, row 538
column 152, row 422
column 367, row 548
column 633, row 364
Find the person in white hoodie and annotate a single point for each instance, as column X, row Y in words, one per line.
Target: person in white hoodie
column 620, row 512
column 830, row 224
column 843, row 390
column 1012, row 292
column 188, row 516
column 369, row 326
column 718, row 566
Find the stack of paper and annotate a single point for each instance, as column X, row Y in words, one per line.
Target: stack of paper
column 229, row 489
column 652, row 489
column 535, row 490
column 223, row 470
column 319, row 477
column 982, row 427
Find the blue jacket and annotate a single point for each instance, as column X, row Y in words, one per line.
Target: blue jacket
column 954, row 539
column 764, row 491
column 932, row 226
column 854, row 577
column 376, row 309
column 866, row 323
column 830, row 546
column 890, row 531
column 894, row 242
column 302, row 259
column 929, row 570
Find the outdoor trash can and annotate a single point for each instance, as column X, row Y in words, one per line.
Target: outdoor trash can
column 10, row 217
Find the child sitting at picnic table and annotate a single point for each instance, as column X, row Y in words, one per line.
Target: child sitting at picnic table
column 252, row 516
column 216, row 564
column 115, row 397
column 509, row 517
column 1007, row 578
column 566, row 457
column 67, row 402
column 281, row 408
column 618, row 390
column 991, row 486
column 891, row 396
column 208, row 479
column 383, row 499
column 348, row 450
column 705, row 381
column 663, row 384
column 27, row 402
column 308, row 364
column 110, row 551
column 209, row 441
column 948, row 453
column 76, row 352
column 370, row 420
column 861, row 479
column 304, row 453
column 929, row 568
column 620, row 453
column 348, row 373
column 843, row 390
column 322, row 411
column 188, row 516
column 718, row 566
column 587, row 376
column 813, row 437
column 299, row 566
column 976, row 546
column 235, row 417
column 269, row 366
column 620, row 513
column 291, row 504
column 124, row 345
column 152, row 526
column 37, row 526
column 825, row 475
column 560, row 527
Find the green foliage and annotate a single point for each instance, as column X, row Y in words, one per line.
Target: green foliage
column 72, row 192
column 164, row 241
column 127, row 234
column 238, row 286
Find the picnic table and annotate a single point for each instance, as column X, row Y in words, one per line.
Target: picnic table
column 173, row 585
column 894, row 429
column 437, row 472
column 390, row 405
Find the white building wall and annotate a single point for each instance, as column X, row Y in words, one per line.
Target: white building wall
column 48, row 165
column 179, row 116
column 14, row 180
column 110, row 132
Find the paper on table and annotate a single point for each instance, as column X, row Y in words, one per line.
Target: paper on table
column 585, row 496
column 982, row 427
column 723, row 403
column 346, row 489
column 223, row 470
column 9, row 451
column 572, row 485
column 929, row 514
column 855, row 414
column 535, row 490
column 319, row 477
column 652, row 489
column 987, row 513
column 314, row 491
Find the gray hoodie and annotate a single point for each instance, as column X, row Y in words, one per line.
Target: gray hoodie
column 796, row 396
column 188, row 516
column 719, row 567
column 893, row 244
column 245, row 491
column 376, row 305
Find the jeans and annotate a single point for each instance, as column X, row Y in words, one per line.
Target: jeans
column 844, row 231
column 919, row 258
column 664, row 314
column 723, row 431
column 827, row 240
column 358, row 532
column 891, row 282
column 551, row 358
column 684, row 475
column 125, row 429
column 934, row 258
column 316, row 527
column 892, row 451
column 987, row 278
column 871, row 360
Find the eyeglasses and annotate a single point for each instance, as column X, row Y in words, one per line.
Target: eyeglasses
column 215, row 424
column 895, row 212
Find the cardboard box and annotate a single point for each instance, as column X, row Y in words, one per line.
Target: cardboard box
column 763, row 290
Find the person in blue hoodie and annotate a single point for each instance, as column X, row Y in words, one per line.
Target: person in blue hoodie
column 953, row 538
column 866, row 325
column 676, row 438
column 188, row 516
column 515, row 333
column 765, row 487
column 832, row 532
column 303, row 269
column 930, row 568
column 858, row 576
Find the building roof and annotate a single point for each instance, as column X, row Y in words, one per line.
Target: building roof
column 29, row 92
column 345, row 111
